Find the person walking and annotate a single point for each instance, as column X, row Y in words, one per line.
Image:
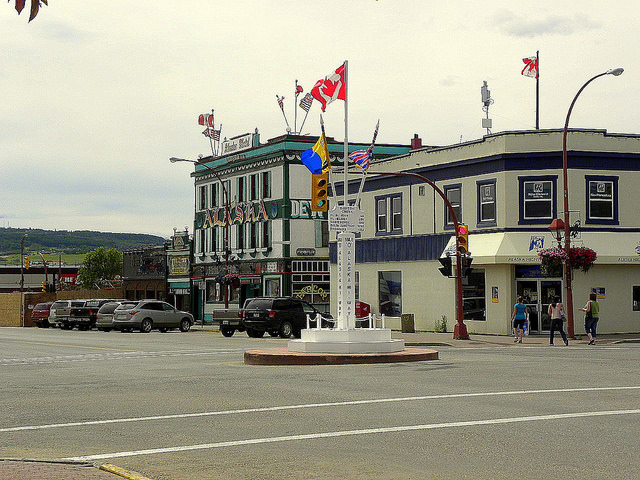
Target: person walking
column 591, row 317
column 556, row 312
column 518, row 317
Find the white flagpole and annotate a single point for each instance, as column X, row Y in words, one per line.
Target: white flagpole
column 346, row 130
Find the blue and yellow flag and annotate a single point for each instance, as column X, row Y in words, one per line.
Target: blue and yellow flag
column 316, row 159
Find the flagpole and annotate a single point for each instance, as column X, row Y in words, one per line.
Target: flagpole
column 295, row 109
column 282, row 109
column 212, row 133
column 305, row 119
column 345, row 185
column 538, row 91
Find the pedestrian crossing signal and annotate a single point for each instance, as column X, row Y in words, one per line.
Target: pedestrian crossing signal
column 319, row 191
column 462, row 239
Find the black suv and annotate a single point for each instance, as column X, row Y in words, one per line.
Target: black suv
column 284, row 316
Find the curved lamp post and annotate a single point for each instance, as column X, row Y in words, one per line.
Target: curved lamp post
column 226, row 224
column 567, row 233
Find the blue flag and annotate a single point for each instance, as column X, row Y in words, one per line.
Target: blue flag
column 316, row 159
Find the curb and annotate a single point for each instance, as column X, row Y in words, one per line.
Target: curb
column 282, row 356
column 107, row 467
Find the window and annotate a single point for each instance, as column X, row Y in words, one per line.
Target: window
column 537, row 199
column 214, row 240
column 266, row 184
column 214, row 195
column 487, row 203
column 253, row 235
column 253, row 187
column 322, row 233
column 240, row 238
column 390, row 293
column 389, row 214
column 241, row 189
column 201, row 241
column 454, row 195
column 203, row 197
column 266, row 234
column 602, row 199
column 310, row 282
column 636, row 298
column 473, row 295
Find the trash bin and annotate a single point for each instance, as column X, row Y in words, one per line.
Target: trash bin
column 407, row 322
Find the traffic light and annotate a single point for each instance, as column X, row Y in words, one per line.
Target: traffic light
column 466, row 266
column 319, row 189
column 463, row 239
column 44, row 286
column 445, row 269
column 27, row 262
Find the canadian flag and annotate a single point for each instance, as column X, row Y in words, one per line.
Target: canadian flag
column 330, row 88
column 205, row 119
column 530, row 67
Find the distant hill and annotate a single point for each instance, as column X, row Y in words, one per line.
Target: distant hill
column 77, row 241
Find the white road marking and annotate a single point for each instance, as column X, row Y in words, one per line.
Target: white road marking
column 366, row 431
column 314, row 405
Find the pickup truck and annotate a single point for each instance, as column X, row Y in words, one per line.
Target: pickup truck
column 60, row 310
column 228, row 320
column 84, row 317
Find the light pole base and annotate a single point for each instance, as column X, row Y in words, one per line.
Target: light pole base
column 460, row 332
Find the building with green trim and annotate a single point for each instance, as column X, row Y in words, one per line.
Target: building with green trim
column 276, row 244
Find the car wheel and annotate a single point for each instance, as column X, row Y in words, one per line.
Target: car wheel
column 227, row 331
column 255, row 333
column 185, row 325
column 66, row 326
column 146, row 325
column 286, row 329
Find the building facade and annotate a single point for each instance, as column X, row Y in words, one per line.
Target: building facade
column 507, row 188
column 144, row 273
column 178, row 270
column 268, row 242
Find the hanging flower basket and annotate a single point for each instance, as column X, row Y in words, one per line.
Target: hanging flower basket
column 232, row 279
column 582, row 258
column 552, row 260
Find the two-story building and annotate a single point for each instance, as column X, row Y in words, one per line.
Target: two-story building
column 507, row 187
column 275, row 244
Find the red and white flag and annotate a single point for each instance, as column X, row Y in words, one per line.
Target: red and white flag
column 205, row 119
column 530, row 67
column 330, row 88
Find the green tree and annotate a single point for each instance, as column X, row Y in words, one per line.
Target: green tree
column 99, row 267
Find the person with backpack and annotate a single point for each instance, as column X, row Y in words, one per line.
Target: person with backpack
column 556, row 312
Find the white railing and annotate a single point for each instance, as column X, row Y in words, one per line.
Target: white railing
column 372, row 319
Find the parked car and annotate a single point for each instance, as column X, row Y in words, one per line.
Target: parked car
column 284, row 316
column 146, row 315
column 60, row 310
column 84, row 317
column 104, row 317
column 229, row 320
column 40, row 314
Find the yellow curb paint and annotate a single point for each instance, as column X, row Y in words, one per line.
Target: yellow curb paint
column 107, row 467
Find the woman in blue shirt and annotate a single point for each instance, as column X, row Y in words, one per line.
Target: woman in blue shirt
column 519, row 316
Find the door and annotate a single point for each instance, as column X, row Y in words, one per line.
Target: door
column 537, row 295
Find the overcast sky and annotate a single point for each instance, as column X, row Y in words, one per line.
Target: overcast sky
column 96, row 96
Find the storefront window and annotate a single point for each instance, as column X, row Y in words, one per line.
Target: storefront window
column 310, row 282
column 473, row 295
column 636, row 298
column 390, row 293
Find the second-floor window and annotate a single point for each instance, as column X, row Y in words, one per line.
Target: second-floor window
column 454, row 195
column 266, row 184
column 202, row 193
column 487, row 203
column 389, row 214
column 537, row 199
column 602, row 199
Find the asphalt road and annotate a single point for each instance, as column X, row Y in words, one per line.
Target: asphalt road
column 184, row 406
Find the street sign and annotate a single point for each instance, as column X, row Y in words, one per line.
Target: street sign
column 346, row 219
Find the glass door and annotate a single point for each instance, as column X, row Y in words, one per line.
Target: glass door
column 528, row 290
column 549, row 289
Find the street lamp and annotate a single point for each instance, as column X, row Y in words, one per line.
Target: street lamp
column 567, row 234
column 226, row 223
column 22, row 261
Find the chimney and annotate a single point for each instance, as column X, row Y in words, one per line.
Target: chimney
column 416, row 142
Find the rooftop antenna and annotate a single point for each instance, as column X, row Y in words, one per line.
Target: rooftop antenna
column 486, row 101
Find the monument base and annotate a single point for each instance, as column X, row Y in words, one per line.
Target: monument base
column 359, row 340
